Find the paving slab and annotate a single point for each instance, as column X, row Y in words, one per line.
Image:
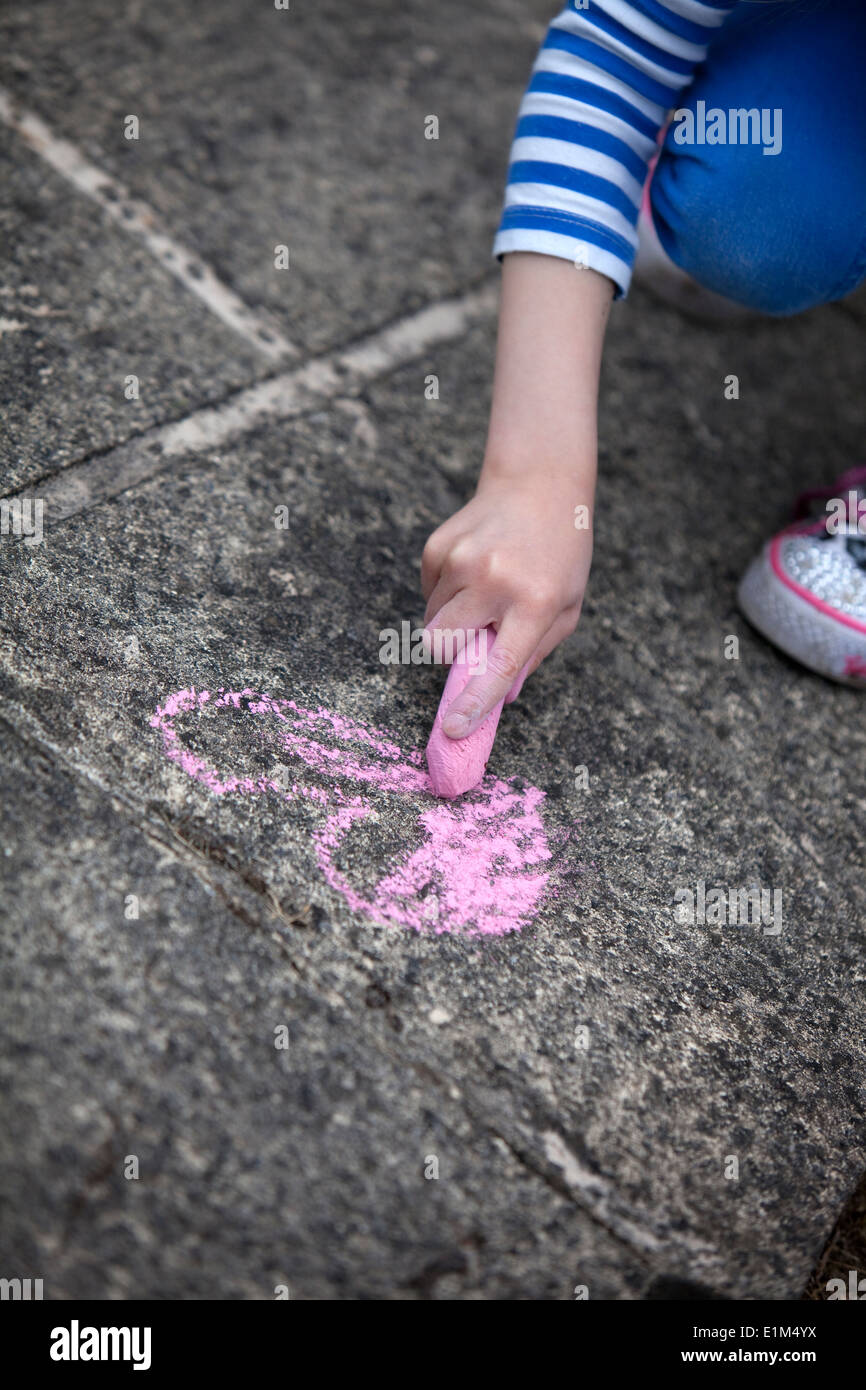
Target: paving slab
column 303, row 128
column 84, row 308
column 626, row 1058
column 616, row 1097
column 159, row 1145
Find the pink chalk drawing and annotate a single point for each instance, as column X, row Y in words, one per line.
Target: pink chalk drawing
column 480, row 867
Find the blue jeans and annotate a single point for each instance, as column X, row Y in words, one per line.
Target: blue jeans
column 779, row 232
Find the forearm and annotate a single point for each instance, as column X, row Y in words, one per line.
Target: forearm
column 551, row 329
column 512, row 558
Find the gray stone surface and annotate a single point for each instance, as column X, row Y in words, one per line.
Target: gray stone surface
column 83, row 307
column 262, row 127
column 559, row 1165
column 153, row 1039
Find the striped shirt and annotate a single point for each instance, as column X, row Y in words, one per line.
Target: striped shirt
column 602, row 86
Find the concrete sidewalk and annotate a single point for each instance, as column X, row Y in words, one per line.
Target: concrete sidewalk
column 229, row 1064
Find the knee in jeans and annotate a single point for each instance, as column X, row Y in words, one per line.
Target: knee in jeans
column 740, row 229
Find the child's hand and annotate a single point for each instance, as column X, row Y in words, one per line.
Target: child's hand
column 514, row 559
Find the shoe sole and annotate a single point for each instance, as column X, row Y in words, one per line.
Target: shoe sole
column 809, row 634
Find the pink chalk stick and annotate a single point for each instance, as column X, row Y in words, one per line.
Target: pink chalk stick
column 457, row 765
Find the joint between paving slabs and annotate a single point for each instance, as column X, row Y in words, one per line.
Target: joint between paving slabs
column 140, row 221
column 562, row 1188
column 349, row 379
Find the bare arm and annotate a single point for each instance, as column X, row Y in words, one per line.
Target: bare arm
column 513, row 557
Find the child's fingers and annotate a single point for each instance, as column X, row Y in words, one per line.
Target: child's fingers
column 448, row 584
column 562, row 628
column 516, row 641
column 460, row 615
column 432, row 559
column 528, row 670
column 441, row 596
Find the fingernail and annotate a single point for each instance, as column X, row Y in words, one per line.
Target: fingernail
column 456, row 725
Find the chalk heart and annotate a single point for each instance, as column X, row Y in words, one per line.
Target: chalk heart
column 479, row 869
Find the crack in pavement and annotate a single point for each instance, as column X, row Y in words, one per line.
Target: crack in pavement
column 142, row 222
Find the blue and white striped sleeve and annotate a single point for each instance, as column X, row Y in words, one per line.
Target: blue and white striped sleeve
column 603, row 83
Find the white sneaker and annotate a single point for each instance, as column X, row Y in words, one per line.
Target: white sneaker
column 806, row 591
